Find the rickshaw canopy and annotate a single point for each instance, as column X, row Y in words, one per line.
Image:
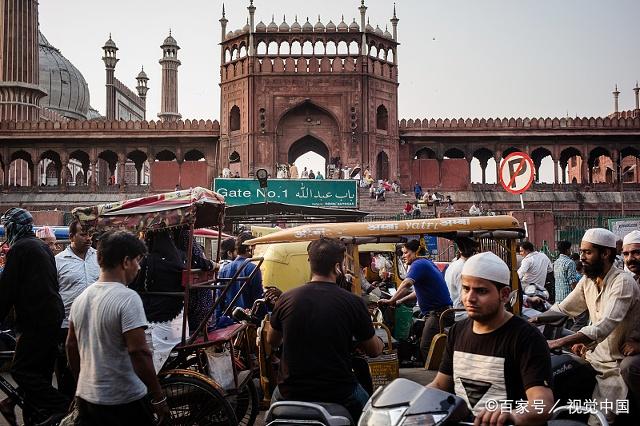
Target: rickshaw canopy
column 197, row 207
column 503, row 227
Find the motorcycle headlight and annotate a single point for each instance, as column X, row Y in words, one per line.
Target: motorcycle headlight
column 373, row 417
column 423, row 420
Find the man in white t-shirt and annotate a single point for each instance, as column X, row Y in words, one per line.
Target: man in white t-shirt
column 453, row 274
column 534, row 267
column 106, row 345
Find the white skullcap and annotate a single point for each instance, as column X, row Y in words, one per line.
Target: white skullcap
column 488, row 266
column 600, row 236
column 632, row 237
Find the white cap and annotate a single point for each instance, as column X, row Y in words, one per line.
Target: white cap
column 488, row 266
column 632, row 237
column 600, row 236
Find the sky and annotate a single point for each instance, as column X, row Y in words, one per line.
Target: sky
column 457, row 58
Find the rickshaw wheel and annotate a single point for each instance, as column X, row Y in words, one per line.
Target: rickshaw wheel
column 245, row 404
column 194, row 399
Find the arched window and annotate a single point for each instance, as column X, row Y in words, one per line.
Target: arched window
column 382, row 118
column 234, row 118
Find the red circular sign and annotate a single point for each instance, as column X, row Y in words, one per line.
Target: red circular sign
column 517, row 172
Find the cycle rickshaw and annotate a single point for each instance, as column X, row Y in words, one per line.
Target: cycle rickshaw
column 193, row 395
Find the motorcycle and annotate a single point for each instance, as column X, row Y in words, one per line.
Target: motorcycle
column 406, row 403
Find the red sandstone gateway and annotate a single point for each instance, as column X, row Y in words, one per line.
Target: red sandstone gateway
column 208, row 376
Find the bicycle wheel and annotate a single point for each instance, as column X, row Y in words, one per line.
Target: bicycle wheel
column 194, row 400
column 245, row 404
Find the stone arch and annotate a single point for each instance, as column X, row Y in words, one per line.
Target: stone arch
column 382, row 118
column 600, row 166
column 137, row 170
column 49, row 169
column 382, row 165
column 262, row 48
column 319, row 132
column 106, row 168
column 284, row 49
column 79, row 165
column 570, row 165
column 307, row 48
column 373, row 51
column 166, row 155
column 319, row 48
column 454, row 153
column 354, row 48
column 629, row 164
column 272, row 48
column 483, row 169
column 509, row 150
column 331, row 48
column 390, row 55
column 227, row 55
column 20, row 168
column 424, row 154
column 343, row 48
column 306, row 144
column 194, row 155
column 234, row 118
column 243, row 51
column 296, row 48
column 540, row 155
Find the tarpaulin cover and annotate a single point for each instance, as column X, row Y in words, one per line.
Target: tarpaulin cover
column 198, row 206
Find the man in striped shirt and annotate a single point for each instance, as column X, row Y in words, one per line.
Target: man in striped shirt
column 564, row 271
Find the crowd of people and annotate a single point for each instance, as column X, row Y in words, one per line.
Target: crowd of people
column 96, row 316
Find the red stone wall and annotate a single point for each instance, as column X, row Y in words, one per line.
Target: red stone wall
column 48, row 217
column 165, row 175
column 540, row 226
column 455, row 174
column 194, row 173
column 426, row 173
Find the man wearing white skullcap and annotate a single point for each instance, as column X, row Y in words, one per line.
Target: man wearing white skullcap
column 612, row 298
column 514, row 356
column 630, row 365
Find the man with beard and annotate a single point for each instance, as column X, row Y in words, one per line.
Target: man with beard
column 493, row 357
column 612, row 298
column 29, row 285
column 77, row 269
column 630, row 365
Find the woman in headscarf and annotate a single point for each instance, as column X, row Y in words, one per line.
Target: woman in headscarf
column 161, row 272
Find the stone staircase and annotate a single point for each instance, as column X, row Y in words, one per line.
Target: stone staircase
column 392, row 206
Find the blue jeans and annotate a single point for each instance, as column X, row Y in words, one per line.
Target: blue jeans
column 354, row 403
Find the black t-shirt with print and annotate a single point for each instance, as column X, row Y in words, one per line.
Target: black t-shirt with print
column 319, row 322
column 500, row 365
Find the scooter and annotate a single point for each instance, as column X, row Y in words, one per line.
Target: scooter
column 406, row 403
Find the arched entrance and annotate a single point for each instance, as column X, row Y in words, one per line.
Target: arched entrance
column 309, row 152
column 308, row 135
column 382, row 166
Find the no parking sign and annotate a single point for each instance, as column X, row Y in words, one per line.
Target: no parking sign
column 517, row 172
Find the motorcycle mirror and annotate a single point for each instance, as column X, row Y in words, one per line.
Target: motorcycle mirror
column 513, row 298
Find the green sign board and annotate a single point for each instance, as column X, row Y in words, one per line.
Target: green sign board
column 299, row 192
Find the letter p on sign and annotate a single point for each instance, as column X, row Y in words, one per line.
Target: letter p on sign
column 517, row 172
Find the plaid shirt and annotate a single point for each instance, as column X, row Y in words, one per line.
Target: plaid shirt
column 565, row 274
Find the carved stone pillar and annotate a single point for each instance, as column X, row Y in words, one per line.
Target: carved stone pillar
column 93, row 180
column 555, row 172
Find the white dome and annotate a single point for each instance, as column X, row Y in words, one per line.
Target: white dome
column 68, row 92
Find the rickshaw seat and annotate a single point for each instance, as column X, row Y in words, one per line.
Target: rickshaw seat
column 198, row 276
column 222, row 335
